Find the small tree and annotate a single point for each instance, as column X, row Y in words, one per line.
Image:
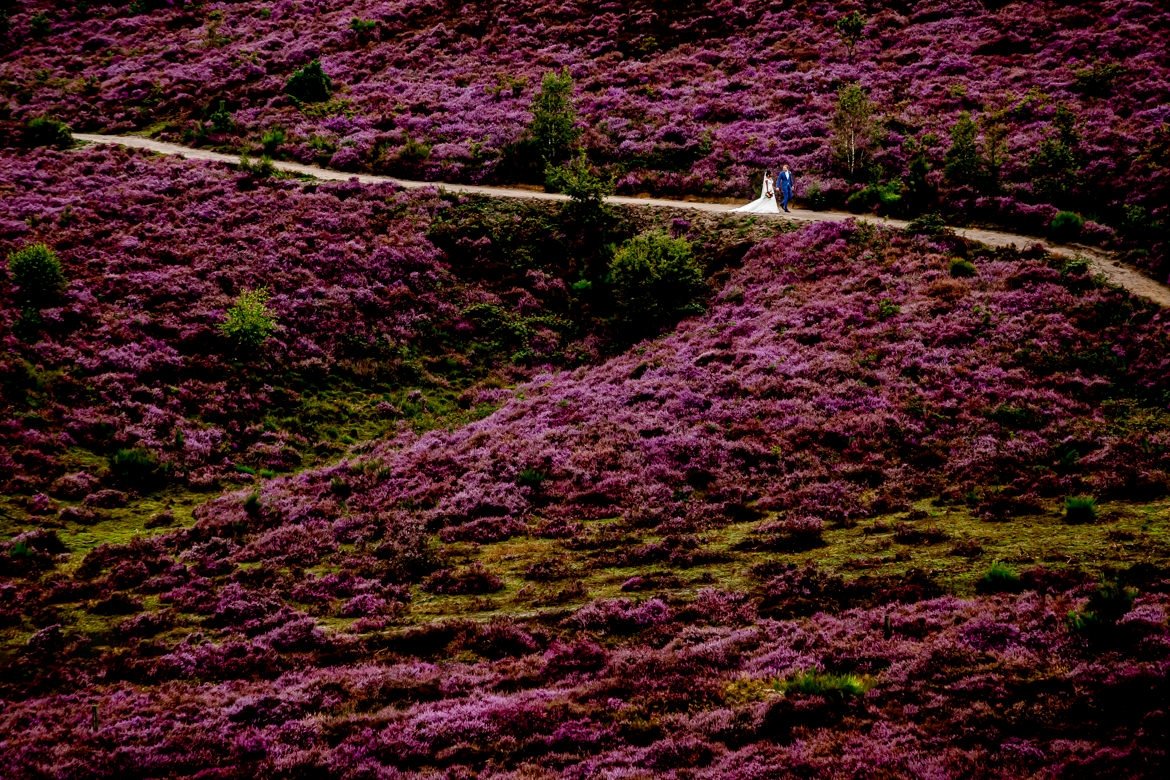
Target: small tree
column 249, row 322
column 310, row 84
column 554, row 128
column 995, row 147
column 586, row 189
column 38, row 275
column 853, row 127
column 655, row 280
column 963, row 163
column 851, row 27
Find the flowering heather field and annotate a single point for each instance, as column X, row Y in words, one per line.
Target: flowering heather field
column 676, row 97
column 823, row 528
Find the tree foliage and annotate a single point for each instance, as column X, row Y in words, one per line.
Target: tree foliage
column 249, row 322
column 310, row 84
column 36, row 270
column 554, row 128
column 851, row 27
column 854, row 128
column 655, row 280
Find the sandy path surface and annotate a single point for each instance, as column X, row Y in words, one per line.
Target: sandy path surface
column 1100, row 262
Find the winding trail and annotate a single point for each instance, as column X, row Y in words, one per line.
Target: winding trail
column 1101, row 263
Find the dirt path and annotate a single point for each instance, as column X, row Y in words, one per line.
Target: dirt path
column 1101, row 263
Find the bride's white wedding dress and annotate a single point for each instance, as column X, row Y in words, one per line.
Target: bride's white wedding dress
column 766, row 203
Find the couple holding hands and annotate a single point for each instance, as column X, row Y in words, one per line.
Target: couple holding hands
column 766, row 203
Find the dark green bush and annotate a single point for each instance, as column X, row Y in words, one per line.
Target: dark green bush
column 961, row 267
column 586, row 189
column 1098, row 79
column 931, row 224
column 364, row 29
column 39, row 25
column 36, row 270
column 655, row 280
column 310, row 84
column 1065, row 226
column 1107, row 604
column 137, row 468
column 1080, row 509
column 47, row 131
column 554, row 130
column 886, row 197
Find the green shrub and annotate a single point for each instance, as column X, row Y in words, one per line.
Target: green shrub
column 272, row 138
column 249, row 322
column 834, row 687
column 1065, row 226
column 220, row 118
column 1097, row 80
column 931, row 224
column 137, row 468
column 1000, row 578
column 39, row 25
column 36, row 270
column 655, row 279
column 261, row 169
column 310, row 84
column 532, row 478
column 1080, row 509
column 47, row 131
column 587, row 190
column 1107, row 604
column 886, row 196
column 887, row 309
column 961, row 267
column 364, row 29
column 554, row 130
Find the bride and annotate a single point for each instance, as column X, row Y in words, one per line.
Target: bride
column 766, row 203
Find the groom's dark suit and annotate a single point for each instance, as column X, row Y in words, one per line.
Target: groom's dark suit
column 784, row 179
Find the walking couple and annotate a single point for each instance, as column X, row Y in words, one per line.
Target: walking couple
column 766, row 203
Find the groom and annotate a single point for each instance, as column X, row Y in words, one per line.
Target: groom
column 784, row 179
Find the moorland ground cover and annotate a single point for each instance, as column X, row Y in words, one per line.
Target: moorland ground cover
column 891, row 502
column 1002, row 111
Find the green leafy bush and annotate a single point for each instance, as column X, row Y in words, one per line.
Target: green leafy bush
column 655, row 279
column 961, row 267
column 586, row 189
column 1080, row 509
column 249, row 322
column 554, row 130
column 1065, row 226
column 931, row 224
column 310, row 84
column 39, row 25
column 47, row 131
column 364, row 29
column 36, row 270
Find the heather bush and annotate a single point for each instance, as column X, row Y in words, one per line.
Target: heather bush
column 309, row 84
column 47, row 131
column 249, row 321
column 1065, row 226
column 36, row 270
column 655, row 279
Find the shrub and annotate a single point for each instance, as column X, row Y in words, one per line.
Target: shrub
column 963, row 163
column 39, row 25
column 249, row 322
column 1107, row 604
column 260, row 169
column 655, row 280
column 364, row 29
column 1097, row 80
column 138, row 468
column 221, row 118
column 1000, row 578
column 961, row 267
column 272, row 138
column 47, row 131
column 587, row 190
column 309, row 84
column 931, row 224
column 1080, row 509
column 1065, row 226
column 834, row 687
column 36, row 270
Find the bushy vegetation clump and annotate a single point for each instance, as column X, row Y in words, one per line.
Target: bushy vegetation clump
column 655, row 280
column 310, row 84
column 249, row 322
column 36, row 271
column 47, row 131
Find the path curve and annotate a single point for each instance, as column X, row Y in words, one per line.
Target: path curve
column 1113, row 272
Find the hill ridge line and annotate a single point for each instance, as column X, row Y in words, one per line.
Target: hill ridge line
column 1110, row 269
